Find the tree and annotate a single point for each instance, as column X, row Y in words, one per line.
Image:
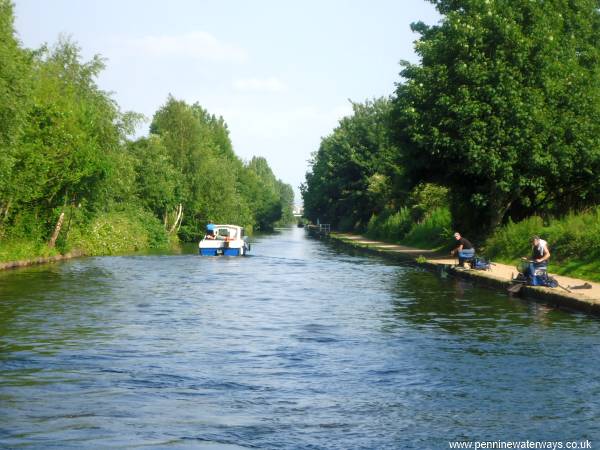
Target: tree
column 353, row 172
column 263, row 194
column 70, row 141
column 504, row 107
column 156, row 179
column 15, row 91
column 286, row 196
column 214, row 185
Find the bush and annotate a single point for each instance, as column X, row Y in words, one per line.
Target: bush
column 117, row 232
column 426, row 198
column 574, row 242
column 120, row 231
column 433, row 232
column 23, row 249
column 390, row 226
column 512, row 240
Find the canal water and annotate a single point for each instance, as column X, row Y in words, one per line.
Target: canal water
column 301, row 345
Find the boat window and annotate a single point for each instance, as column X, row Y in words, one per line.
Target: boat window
column 223, row 232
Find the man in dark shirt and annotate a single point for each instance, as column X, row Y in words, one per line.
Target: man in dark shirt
column 464, row 249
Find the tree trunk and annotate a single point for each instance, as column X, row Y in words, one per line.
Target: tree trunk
column 178, row 218
column 499, row 209
column 57, row 228
column 4, row 211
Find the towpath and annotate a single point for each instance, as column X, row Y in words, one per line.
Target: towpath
column 585, row 299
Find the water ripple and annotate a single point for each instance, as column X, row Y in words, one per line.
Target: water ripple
column 300, row 346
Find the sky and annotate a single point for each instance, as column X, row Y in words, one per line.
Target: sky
column 281, row 73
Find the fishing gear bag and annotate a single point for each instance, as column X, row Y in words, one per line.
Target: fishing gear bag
column 480, row 264
column 541, row 278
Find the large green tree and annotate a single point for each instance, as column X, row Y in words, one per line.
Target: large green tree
column 262, row 191
column 156, row 179
column 213, row 184
column 353, row 172
column 70, row 143
column 15, row 87
column 504, row 107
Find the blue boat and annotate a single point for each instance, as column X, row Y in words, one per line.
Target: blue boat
column 223, row 240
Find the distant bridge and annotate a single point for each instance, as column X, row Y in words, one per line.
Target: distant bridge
column 298, row 211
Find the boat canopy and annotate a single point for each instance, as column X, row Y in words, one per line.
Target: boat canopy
column 226, row 231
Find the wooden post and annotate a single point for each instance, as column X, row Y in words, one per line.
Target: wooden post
column 57, row 228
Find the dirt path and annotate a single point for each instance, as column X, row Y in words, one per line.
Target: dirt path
column 501, row 272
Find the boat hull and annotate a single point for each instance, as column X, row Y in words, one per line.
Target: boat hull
column 224, row 240
column 222, row 251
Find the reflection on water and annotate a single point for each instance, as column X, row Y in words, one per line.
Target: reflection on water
column 301, row 345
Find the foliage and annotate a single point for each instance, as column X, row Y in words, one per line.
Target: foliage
column 211, row 183
column 24, row 249
column 156, row 180
column 15, row 86
column 426, row 198
column 286, row 198
column 574, row 242
column 69, row 143
column 504, row 107
column 65, row 152
column 399, row 227
column 269, row 198
column 433, row 232
column 352, row 172
column 390, row 226
column 118, row 232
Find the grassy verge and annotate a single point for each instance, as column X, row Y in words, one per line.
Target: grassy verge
column 574, row 243
column 433, row 232
column 119, row 232
column 23, row 249
column 574, row 240
column 115, row 232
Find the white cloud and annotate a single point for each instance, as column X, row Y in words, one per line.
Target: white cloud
column 286, row 123
column 270, row 84
column 195, row 45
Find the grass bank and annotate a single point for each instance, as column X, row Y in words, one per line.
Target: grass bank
column 574, row 240
column 109, row 233
column 574, row 243
column 432, row 232
column 20, row 249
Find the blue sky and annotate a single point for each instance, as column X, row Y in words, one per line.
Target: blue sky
column 280, row 73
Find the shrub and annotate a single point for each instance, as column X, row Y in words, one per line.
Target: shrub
column 390, row 226
column 23, row 249
column 574, row 242
column 426, row 198
column 117, row 232
column 433, row 232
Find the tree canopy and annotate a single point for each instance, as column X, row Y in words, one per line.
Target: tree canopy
column 352, row 173
column 501, row 113
column 66, row 150
column 212, row 183
column 504, row 106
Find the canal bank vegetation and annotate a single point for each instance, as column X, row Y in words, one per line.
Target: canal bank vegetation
column 575, row 240
column 72, row 178
column 494, row 132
